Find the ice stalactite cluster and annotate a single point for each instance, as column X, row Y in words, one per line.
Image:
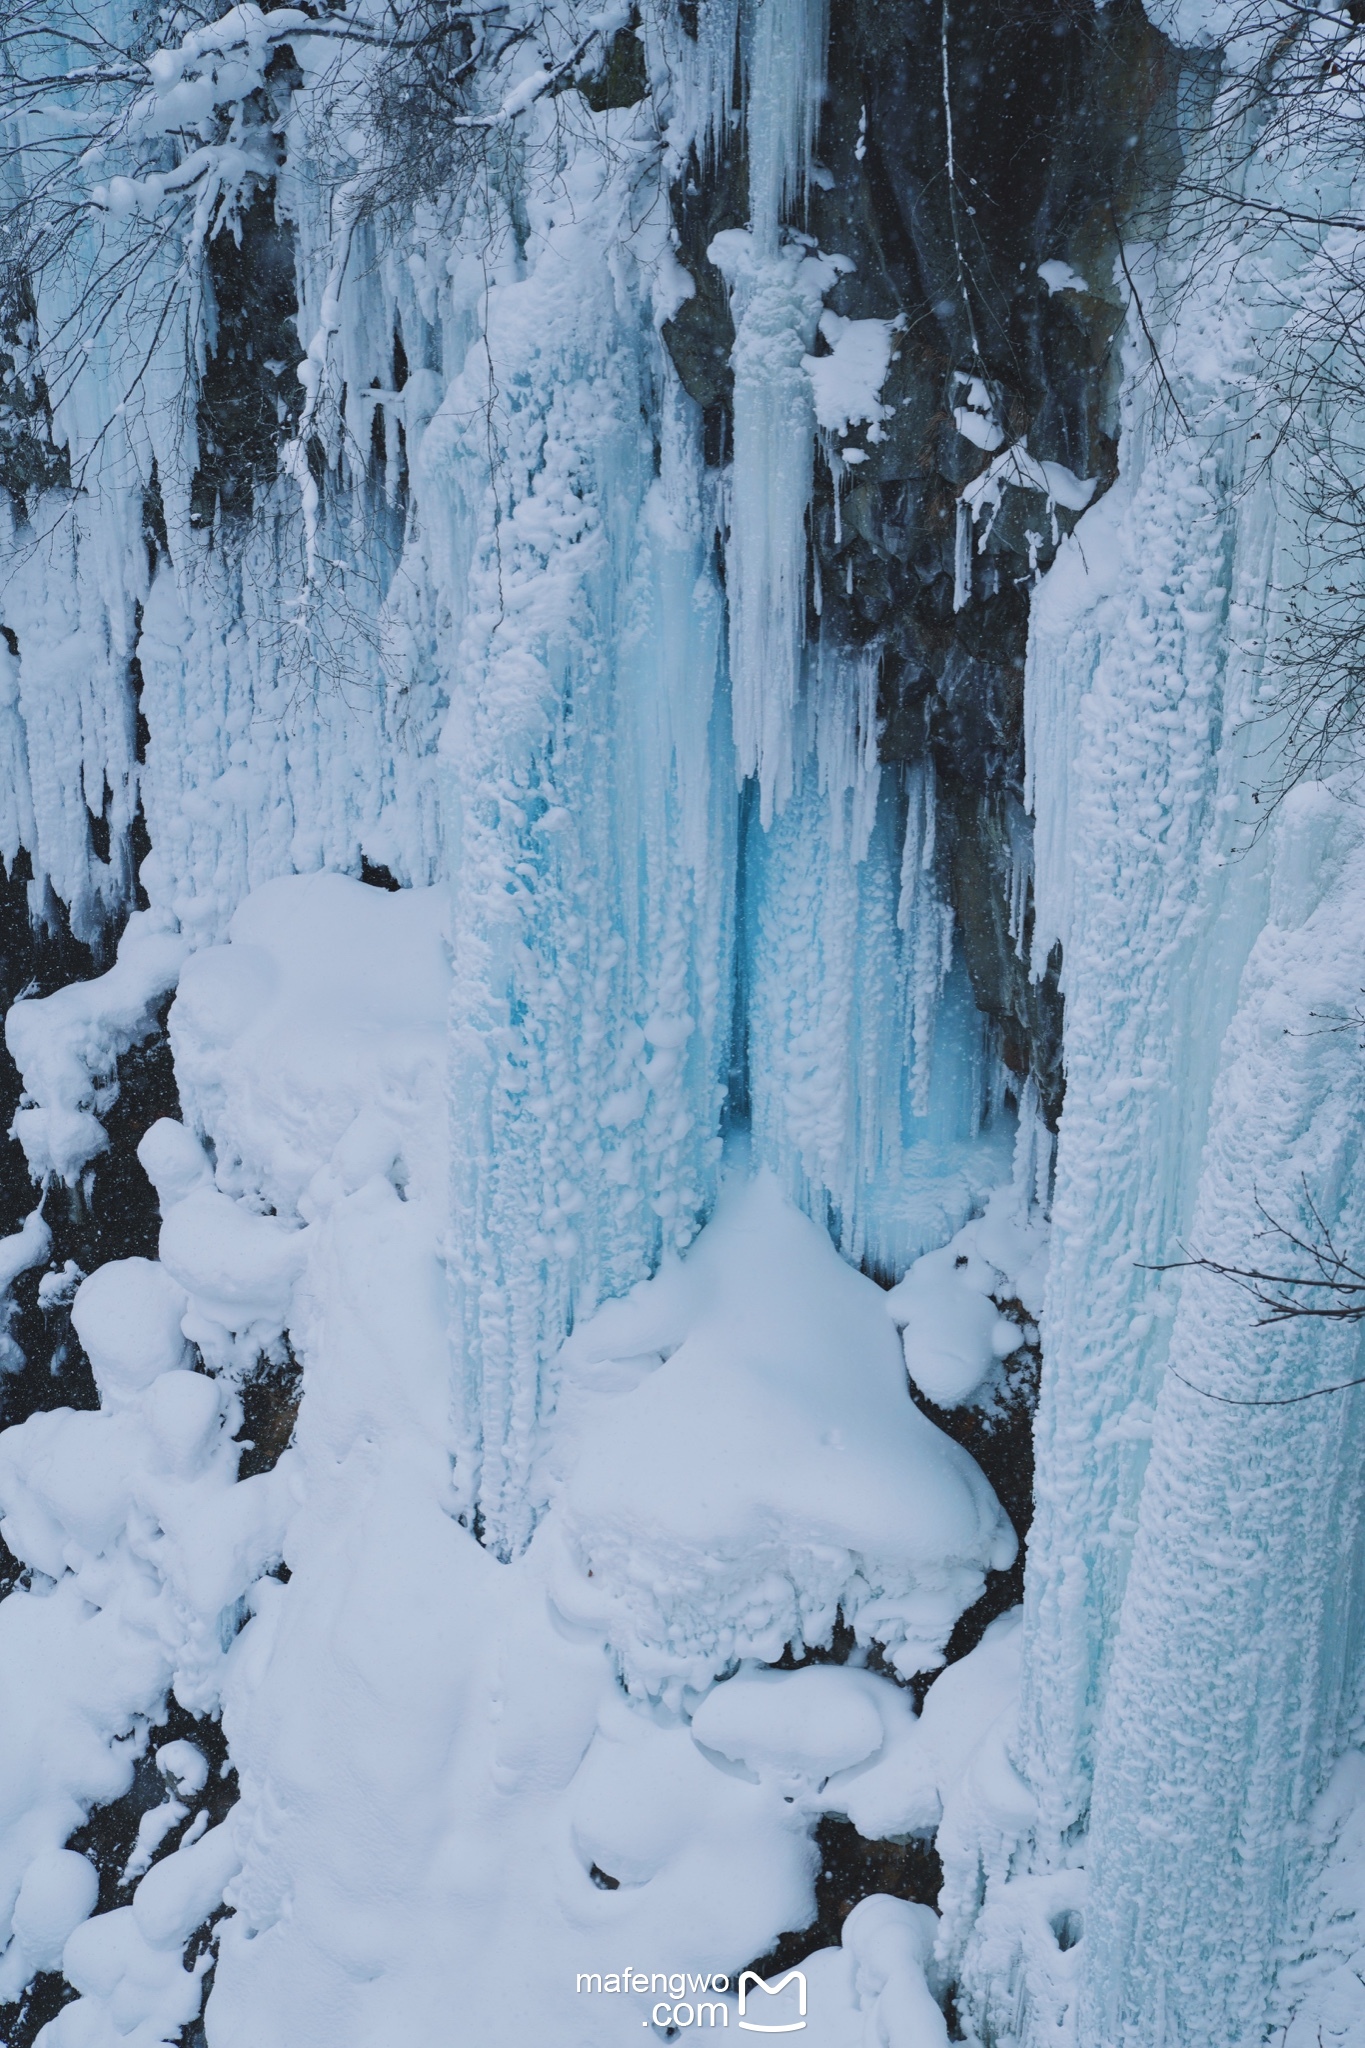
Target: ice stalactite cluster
column 69, row 747
column 597, row 733
column 247, row 711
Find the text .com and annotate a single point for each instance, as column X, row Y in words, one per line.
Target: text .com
column 682, row 2003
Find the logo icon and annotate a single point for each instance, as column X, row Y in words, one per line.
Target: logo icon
column 750, row 1980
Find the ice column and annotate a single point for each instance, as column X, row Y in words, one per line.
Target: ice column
column 281, row 741
column 1132, row 667
column 590, row 923
column 776, row 302
column 776, row 292
column 1191, row 1601
column 926, row 923
column 1237, row 1653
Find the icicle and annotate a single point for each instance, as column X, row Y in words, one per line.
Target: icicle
column 928, row 927
column 844, row 713
column 776, row 304
column 962, row 558
column 786, row 85
column 1033, row 1149
column 313, row 373
column 1020, row 875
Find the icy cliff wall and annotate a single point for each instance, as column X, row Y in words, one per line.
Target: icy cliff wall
column 1192, row 1615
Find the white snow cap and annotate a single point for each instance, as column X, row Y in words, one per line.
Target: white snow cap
column 174, row 1161
column 847, row 382
column 185, row 1766
column 974, row 414
column 953, row 1332
column 127, row 1315
column 58, row 1892
column 807, row 1723
column 66, row 1045
column 240, row 1268
column 1060, row 277
column 832, row 1735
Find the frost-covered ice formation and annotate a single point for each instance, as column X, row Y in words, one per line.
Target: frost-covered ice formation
column 504, row 1441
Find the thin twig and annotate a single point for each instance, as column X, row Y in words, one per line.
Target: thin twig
column 1142, row 316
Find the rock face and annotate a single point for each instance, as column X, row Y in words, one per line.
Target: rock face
column 977, row 165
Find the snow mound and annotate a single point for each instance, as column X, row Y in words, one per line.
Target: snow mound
column 321, row 1024
column 135, row 1508
column 136, row 1991
column 839, row 1739
column 141, row 1545
column 875, row 1987
column 128, row 1316
column 238, row 1269
column 806, row 1723
column 311, row 1048
column 174, row 1161
column 772, row 1472
column 952, row 1330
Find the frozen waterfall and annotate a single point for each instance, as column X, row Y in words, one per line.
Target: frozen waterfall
column 682, row 901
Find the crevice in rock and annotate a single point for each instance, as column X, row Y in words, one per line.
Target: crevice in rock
column 270, row 1406
column 853, row 1869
